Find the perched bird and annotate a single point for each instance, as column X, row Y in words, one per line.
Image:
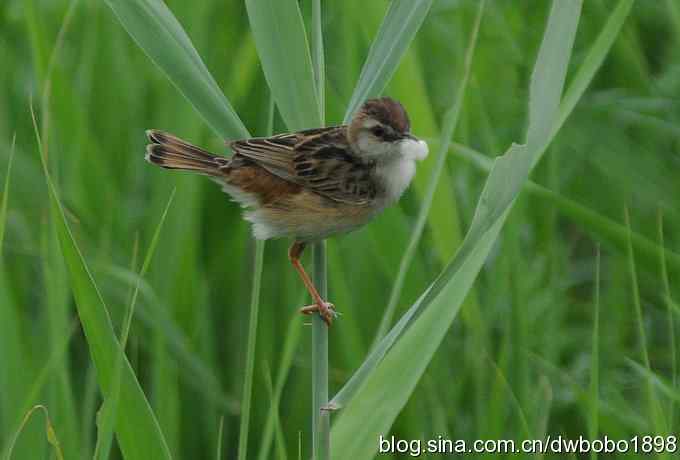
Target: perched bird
column 310, row 184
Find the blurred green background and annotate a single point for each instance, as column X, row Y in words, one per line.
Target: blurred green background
column 519, row 359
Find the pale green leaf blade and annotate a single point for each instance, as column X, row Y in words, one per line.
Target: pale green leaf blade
column 450, row 122
column 138, row 432
column 387, row 389
column 109, row 410
column 396, row 33
column 152, row 25
column 281, row 42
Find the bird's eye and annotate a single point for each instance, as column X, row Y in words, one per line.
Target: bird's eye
column 378, row 131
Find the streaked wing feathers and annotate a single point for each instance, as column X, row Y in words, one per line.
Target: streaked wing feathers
column 318, row 159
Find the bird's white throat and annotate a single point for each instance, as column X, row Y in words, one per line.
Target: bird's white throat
column 396, row 173
column 413, row 149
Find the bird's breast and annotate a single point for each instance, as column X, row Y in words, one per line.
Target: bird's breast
column 394, row 177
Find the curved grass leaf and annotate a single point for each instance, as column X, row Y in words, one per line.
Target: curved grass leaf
column 281, row 42
column 387, row 389
column 402, row 21
column 108, row 412
column 50, row 433
column 151, row 24
column 450, row 122
column 594, row 223
column 138, row 432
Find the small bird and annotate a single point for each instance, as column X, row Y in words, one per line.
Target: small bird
column 309, row 184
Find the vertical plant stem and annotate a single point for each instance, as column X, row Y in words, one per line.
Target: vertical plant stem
column 321, row 426
column 669, row 318
column 318, row 56
column 594, row 394
column 250, row 353
column 320, row 417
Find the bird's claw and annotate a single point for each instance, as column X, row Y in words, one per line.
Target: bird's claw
column 325, row 309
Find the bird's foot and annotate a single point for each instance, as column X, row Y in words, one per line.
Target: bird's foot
column 326, row 311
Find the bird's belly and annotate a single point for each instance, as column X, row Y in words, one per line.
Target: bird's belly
column 308, row 217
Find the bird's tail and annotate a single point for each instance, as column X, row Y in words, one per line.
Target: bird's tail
column 170, row 152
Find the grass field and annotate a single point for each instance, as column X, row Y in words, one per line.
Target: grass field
column 551, row 307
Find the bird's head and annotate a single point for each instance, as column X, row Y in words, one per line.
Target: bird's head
column 381, row 131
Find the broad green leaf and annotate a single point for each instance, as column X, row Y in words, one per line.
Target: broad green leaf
column 396, row 33
column 137, row 429
column 152, row 25
column 387, row 389
column 281, row 42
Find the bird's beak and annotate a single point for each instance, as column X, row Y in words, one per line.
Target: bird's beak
column 413, row 148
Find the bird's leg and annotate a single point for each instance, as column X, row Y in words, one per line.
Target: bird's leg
column 325, row 309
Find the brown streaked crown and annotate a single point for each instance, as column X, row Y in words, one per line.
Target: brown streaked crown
column 385, row 110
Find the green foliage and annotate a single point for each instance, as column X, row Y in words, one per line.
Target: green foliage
column 554, row 337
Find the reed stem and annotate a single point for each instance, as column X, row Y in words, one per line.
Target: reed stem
column 320, row 417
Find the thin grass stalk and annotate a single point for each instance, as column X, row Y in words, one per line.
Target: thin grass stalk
column 285, row 363
column 5, row 193
column 220, row 435
column 320, row 418
column 280, row 441
column 451, row 120
column 594, row 412
column 252, row 323
column 250, row 353
column 654, row 409
column 110, row 405
column 669, row 316
column 321, row 425
column 318, row 57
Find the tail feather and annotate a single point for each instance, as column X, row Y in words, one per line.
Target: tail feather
column 170, row 152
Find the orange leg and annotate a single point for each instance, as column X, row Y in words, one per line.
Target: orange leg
column 325, row 309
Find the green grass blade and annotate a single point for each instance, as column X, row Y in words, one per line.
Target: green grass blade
column 596, row 224
column 39, row 383
column 388, row 387
column 668, row 298
column 593, row 61
column 50, row 433
column 293, row 333
column 138, row 432
column 220, row 436
column 108, row 412
column 250, row 352
column 594, row 390
column 653, row 403
column 450, row 122
column 152, row 25
column 399, row 27
column 318, row 61
column 280, row 442
column 281, row 42
column 5, row 193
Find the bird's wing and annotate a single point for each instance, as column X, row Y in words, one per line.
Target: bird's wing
column 319, row 160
